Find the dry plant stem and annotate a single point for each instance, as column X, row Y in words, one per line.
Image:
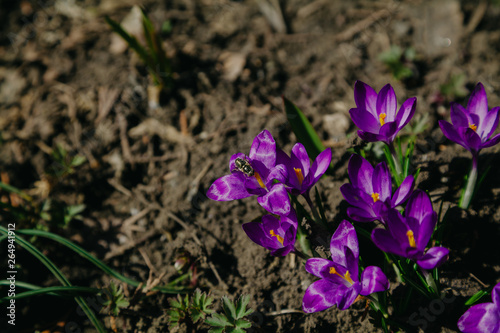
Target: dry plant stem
column 471, row 184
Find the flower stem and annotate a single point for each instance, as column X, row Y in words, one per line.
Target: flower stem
column 317, row 218
column 301, row 254
column 470, row 185
column 397, row 164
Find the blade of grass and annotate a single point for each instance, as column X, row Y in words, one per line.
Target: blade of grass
column 56, row 291
column 60, row 276
column 303, row 129
column 94, row 260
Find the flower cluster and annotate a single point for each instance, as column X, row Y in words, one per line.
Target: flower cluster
column 404, row 218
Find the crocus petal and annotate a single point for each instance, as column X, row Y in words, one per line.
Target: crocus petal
column 481, row 318
column 406, row 112
column 360, row 173
column 364, row 120
column 425, row 229
column 300, row 159
column 386, row 242
column 263, row 150
column 229, row 187
column 321, row 295
column 451, row 133
column 495, row 295
column 361, row 215
column 478, row 102
column 471, row 139
column 387, row 103
column 397, row 226
column 344, row 237
column 434, row 257
column 315, row 266
column 373, row 280
column 370, row 137
column 279, row 173
column 283, row 251
column 489, row 124
column 403, row 191
column 256, row 233
column 419, row 205
column 459, row 116
column 319, row 166
column 276, row 201
column 348, row 296
column 382, row 181
column 389, row 131
column 365, row 97
column 356, row 197
column 490, row 143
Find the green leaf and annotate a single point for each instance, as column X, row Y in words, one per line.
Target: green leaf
column 477, row 296
column 78, row 160
column 216, row 330
column 229, row 308
column 241, row 305
column 243, row 323
column 218, row 320
column 303, row 129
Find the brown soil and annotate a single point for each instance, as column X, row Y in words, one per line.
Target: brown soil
column 144, row 181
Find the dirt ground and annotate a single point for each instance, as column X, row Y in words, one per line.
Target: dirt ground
column 66, row 80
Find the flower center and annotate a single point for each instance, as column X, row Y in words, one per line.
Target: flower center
column 299, row 174
column 411, row 238
column 375, row 196
column 347, row 275
column 473, row 127
column 382, row 119
column 257, row 176
column 278, row 237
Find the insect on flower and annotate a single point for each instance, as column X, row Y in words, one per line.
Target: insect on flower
column 244, row 166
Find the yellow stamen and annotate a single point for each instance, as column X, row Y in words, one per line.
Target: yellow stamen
column 375, row 197
column 278, row 237
column 411, row 238
column 381, row 117
column 257, row 176
column 347, row 275
column 299, row 174
column 473, row 127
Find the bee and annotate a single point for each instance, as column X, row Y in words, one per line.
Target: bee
column 244, row 166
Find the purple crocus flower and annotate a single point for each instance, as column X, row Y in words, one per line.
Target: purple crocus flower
column 255, row 174
column 472, row 126
column 370, row 190
column 276, row 234
column 302, row 176
column 408, row 236
column 376, row 115
column 339, row 284
column 482, row 318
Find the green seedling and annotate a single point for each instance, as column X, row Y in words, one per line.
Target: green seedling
column 189, row 310
column 115, row 299
column 397, row 61
column 233, row 319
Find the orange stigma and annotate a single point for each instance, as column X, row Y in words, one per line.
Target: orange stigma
column 411, row 238
column 375, row 197
column 278, row 237
column 299, row 174
column 473, row 127
column 347, row 275
column 261, row 183
column 382, row 119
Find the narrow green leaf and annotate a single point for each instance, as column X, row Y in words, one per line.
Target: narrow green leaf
column 243, row 323
column 477, row 296
column 57, row 291
column 321, row 208
column 12, row 189
column 303, row 129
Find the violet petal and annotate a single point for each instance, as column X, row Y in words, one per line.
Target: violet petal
column 373, row 280
column 434, row 257
column 229, row 187
column 321, row 295
column 480, row 318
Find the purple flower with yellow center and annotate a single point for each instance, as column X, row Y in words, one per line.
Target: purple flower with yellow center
column 472, row 126
column 482, row 318
column 255, row 174
column 376, row 115
column 339, row 284
column 408, row 236
column 370, row 190
column 302, row 176
column 276, row 234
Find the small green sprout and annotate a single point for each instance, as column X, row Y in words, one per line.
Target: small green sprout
column 115, row 300
column 153, row 55
column 232, row 320
column 188, row 310
column 396, row 60
column 64, row 163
